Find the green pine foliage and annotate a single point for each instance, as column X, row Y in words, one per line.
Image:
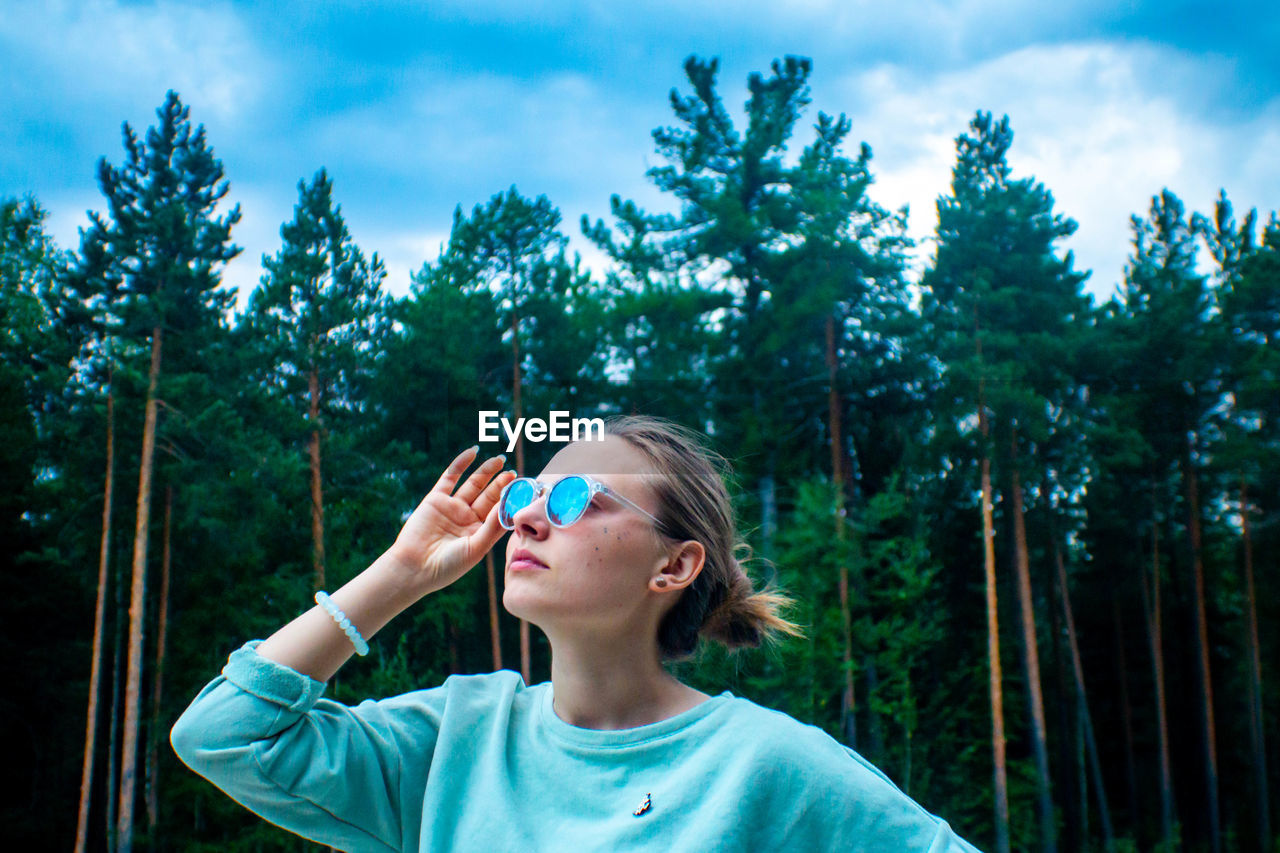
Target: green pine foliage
column 715, row 314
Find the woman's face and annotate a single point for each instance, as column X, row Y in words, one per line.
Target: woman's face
column 594, row 574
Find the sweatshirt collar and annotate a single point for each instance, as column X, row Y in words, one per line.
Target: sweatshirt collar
column 615, row 738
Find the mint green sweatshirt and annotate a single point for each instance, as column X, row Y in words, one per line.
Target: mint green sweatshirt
column 483, row 763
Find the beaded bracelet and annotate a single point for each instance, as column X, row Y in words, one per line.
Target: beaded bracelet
column 362, row 648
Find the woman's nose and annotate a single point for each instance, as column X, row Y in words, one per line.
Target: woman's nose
column 532, row 521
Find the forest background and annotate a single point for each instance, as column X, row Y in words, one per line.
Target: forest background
column 184, row 466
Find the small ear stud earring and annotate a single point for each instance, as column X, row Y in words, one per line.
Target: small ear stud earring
column 661, row 582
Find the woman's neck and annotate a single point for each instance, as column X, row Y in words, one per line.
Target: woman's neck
column 607, row 686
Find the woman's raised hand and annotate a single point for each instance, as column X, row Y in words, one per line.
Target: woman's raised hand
column 447, row 534
column 451, row 530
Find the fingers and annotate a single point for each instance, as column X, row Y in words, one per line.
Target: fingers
column 479, row 479
column 487, row 536
column 449, row 479
column 489, row 497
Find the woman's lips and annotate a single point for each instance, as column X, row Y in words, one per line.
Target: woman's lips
column 523, row 560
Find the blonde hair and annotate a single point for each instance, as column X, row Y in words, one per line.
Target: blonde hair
column 693, row 504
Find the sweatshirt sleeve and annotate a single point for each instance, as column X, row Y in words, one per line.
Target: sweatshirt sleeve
column 947, row 841
column 350, row 777
column 894, row 806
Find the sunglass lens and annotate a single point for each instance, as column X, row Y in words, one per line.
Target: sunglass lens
column 568, row 501
column 517, row 496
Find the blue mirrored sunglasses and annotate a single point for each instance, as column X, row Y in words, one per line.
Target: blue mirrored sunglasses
column 566, row 502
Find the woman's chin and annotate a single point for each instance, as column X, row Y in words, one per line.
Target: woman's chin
column 524, row 604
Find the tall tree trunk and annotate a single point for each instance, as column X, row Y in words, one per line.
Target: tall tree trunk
column 1031, row 657
column 157, row 691
column 1082, row 778
column 99, row 628
column 768, row 511
column 1082, row 700
column 516, row 382
column 993, row 634
column 317, row 493
column 848, row 708
column 495, row 637
column 1202, row 648
column 1256, row 730
column 1126, row 713
column 137, row 607
column 1066, row 712
column 117, row 700
column 1152, row 608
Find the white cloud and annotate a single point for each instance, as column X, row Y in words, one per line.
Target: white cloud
column 404, row 253
column 68, row 213
column 1088, row 121
column 563, row 129
column 463, row 138
column 1086, row 125
column 106, row 49
column 262, row 210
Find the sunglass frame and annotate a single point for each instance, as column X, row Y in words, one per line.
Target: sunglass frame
column 594, row 487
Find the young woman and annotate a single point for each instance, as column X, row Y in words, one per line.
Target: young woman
column 622, row 552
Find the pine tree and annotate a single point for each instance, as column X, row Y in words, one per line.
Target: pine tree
column 33, row 343
column 1248, row 302
column 447, row 359
column 168, row 243
column 1173, row 353
column 513, row 246
column 92, row 280
column 37, row 341
column 660, row 324
column 737, row 220
column 763, row 257
column 319, row 311
column 1002, row 301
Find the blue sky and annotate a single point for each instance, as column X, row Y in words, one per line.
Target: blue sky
column 415, row 108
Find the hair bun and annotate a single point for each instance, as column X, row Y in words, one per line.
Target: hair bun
column 736, row 620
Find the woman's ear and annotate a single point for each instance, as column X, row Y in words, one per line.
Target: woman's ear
column 682, row 567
